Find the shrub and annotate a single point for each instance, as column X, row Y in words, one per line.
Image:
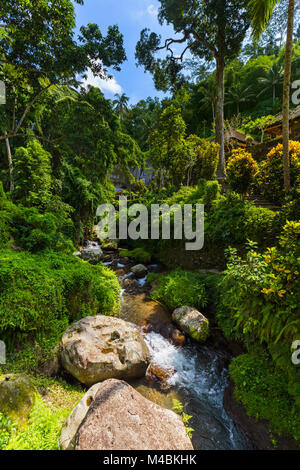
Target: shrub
column 138, row 254
column 232, row 220
column 32, row 175
column 40, row 294
column 34, row 231
column 262, row 389
column 241, row 170
column 211, row 192
column 260, row 297
column 206, row 158
column 6, row 209
column 43, row 429
column 261, row 294
column 4, row 232
column 180, row 288
column 270, row 176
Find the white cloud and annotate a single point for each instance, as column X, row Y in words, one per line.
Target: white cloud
column 152, row 10
column 109, row 85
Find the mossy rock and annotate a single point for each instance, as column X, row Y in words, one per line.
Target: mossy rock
column 138, row 254
column 192, row 322
column 16, row 397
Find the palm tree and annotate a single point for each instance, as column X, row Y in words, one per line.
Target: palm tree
column 260, row 12
column 272, row 78
column 209, row 96
column 237, row 95
column 121, row 104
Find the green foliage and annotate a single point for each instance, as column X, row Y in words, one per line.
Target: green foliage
column 179, row 288
column 35, row 232
column 270, row 176
column 261, row 294
column 178, row 408
column 204, row 157
column 241, row 170
column 258, row 125
column 232, row 220
column 204, row 25
column 211, row 192
column 41, row 294
column 260, row 298
column 32, row 175
column 138, row 254
column 167, row 145
column 263, row 391
column 43, row 429
column 6, row 430
column 6, row 208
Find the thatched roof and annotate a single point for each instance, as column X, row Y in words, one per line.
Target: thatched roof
column 233, row 134
column 294, row 114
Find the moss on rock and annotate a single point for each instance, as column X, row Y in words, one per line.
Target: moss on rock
column 16, row 397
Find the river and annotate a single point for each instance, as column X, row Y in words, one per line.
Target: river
column 200, row 372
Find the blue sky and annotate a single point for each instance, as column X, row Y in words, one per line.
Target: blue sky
column 131, row 16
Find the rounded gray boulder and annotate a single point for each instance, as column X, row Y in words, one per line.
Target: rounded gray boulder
column 101, row 347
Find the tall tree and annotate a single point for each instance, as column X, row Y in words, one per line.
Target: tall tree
column 208, row 29
column 38, row 50
column 208, row 99
column 121, row 104
column 237, row 94
column 271, row 79
column 260, row 11
column 286, row 97
column 167, row 144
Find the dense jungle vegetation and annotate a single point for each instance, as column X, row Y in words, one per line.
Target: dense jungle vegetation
column 60, row 142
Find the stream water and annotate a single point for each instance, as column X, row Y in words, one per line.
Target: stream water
column 200, row 373
column 199, row 382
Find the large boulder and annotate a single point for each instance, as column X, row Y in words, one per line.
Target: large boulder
column 192, row 322
column 139, row 270
column 75, row 419
column 120, row 418
column 50, row 366
column 99, row 348
column 92, row 252
column 16, row 397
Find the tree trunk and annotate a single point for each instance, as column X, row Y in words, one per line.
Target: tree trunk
column 10, row 163
column 221, row 173
column 286, row 96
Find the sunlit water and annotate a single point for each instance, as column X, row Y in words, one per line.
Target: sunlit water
column 200, row 379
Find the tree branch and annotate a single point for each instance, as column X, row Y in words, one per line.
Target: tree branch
column 30, row 104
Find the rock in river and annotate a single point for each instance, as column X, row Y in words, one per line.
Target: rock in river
column 139, row 270
column 192, row 322
column 120, row 418
column 158, row 375
column 92, row 252
column 101, row 347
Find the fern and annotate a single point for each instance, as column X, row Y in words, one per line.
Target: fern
column 42, row 431
column 178, row 408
